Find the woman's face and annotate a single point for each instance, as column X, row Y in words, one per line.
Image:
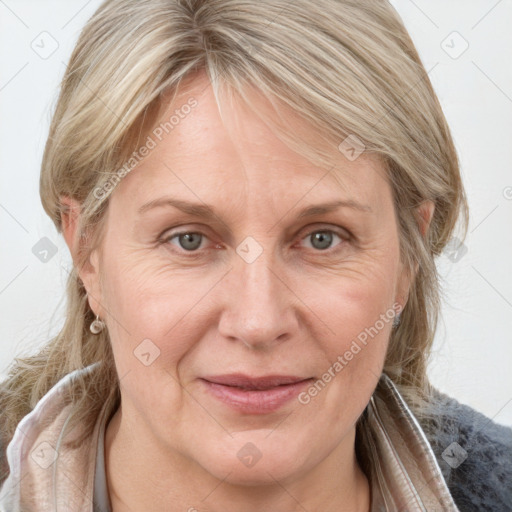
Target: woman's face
column 266, row 285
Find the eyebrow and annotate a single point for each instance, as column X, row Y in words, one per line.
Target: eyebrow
column 208, row 212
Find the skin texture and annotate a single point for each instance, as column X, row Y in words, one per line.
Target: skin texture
column 293, row 310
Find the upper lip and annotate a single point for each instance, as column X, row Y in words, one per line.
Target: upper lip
column 244, row 381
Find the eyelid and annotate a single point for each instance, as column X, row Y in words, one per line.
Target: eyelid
column 169, row 232
column 165, row 238
column 340, row 231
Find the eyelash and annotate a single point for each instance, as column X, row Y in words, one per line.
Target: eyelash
column 196, row 253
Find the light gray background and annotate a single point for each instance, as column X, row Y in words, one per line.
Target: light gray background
column 473, row 349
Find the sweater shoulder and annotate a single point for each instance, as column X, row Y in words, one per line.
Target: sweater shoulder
column 473, row 452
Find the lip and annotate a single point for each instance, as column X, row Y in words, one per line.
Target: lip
column 255, row 395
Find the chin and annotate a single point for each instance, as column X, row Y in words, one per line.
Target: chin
column 263, row 473
column 248, row 464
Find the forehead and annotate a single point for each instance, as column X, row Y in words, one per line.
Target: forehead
column 195, row 150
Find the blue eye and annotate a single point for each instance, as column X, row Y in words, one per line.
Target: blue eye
column 322, row 239
column 189, row 241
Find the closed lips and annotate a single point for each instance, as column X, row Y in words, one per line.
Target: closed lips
column 254, row 395
column 255, row 383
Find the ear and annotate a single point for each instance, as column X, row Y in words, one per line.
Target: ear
column 425, row 212
column 70, row 213
column 88, row 272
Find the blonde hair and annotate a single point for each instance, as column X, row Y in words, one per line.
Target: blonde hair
column 346, row 67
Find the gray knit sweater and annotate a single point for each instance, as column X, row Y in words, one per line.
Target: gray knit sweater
column 483, row 481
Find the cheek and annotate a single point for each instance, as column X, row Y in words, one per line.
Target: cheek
column 357, row 293
column 155, row 309
column 356, row 309
column 359, row 316
column 150, row 334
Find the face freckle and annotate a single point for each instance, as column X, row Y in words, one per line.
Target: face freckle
column 259, row 298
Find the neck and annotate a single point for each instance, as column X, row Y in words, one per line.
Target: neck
column 172, row 482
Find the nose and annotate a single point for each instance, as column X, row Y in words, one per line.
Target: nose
column 259, row 307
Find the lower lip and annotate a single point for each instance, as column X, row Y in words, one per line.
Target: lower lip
column 256, row 401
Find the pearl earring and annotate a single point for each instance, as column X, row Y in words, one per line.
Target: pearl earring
column 97, row 325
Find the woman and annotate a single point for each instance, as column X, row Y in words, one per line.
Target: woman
column 253, row 194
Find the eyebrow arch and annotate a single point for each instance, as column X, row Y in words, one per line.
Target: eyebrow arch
column 206, row 211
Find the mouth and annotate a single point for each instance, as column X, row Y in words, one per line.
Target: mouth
column 255, row 395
